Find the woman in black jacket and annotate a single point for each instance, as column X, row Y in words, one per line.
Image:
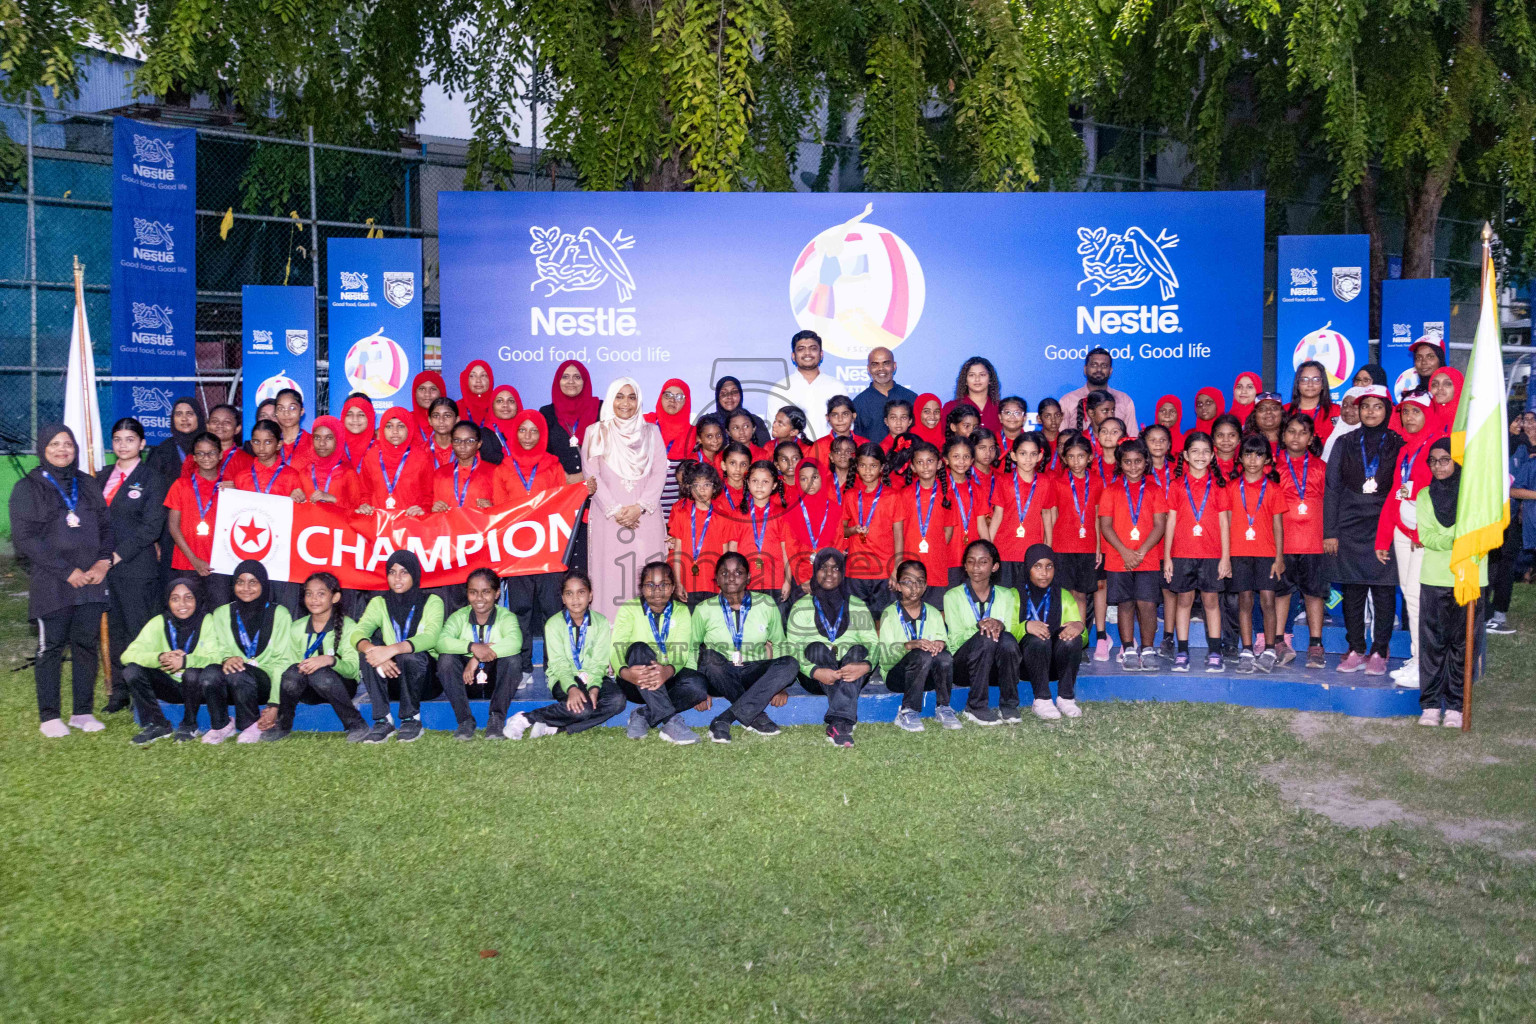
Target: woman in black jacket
column 135, row 497
column 60, row 526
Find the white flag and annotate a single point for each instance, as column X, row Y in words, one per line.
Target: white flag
column 82, row 413
column 253, row 525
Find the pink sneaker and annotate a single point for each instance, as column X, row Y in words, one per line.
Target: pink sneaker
column 217, row 736
column 1376, row 665
column 250, row 734
column 86, row 723
column 54, row 729
column 1101, row 649
column 1258, row 644
column 1351, row 662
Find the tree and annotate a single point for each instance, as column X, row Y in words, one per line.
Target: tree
column 40, row 41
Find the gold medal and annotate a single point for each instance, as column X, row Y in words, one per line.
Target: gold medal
column 202, row 528
column 1020, row 531
column 389, row 502
column 1301, row 509
column 1135, row 533
column 922, row 546
column 1197, row 530
column 1252, row 534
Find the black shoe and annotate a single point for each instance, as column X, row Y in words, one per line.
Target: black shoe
column 984, row 716
column 153, row 731
column 1011, row 715
column 359, row 734
column 763, row 725
column 118, row 702
column 839, row 736
column 186, row 732
column 409, row 731
column 494, row 729
column 380, row 732
column 720, row 730
column 273, row 735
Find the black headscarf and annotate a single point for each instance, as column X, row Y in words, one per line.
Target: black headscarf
column 63, row 474
column 183, row 438
column 719, row 384
column 409, row 604
column 1444, row 493
column 1380, row 442
column 1375, row 371
column 255, row 616
column 834, row 604
column 187, row 629
column 1036, row 594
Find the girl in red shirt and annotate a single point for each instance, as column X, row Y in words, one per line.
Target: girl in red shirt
column 1411, row 475
column 762, row 530
column 1245, row 390
column 786, row 462
column 296, row 447
column 1309, row 394
column 442, row 416
column 527, row 467
column 426, row 387
column 933, row 519
column 709, row 436
column 1132, row 518
column 735, row 459
column 267, row 472
column 1209, row 404
column 839, row 475
column 1303, row 475
column 928, row 418
column 1027, row 507
column 194, row 504
column 1075, row 535
column 874, row 513
column 1050, row 416
column 700, row 529
column 740, row 427
column 1226, row 435
column 817, row 522
column 1160, row 467
column 970, row 500
column 1169, row 414
column 840, row 418
column 1011, row 413
column 1106, row 437
column 506, row 406
column 1258, row 549
column 397, row 477
column 329, row 477
column 357, row 427
column 1196, row 547
column 984, row 473
column 468, row 483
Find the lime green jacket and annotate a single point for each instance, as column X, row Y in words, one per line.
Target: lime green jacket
column 559, row 663
column 960, row 620
column 892, row 646
column 346, row 656
column 803, row 631
column 762, row 634
column 631, row 625
column 376, row 619
column 1435, row 570
column 1069, row 613
column 146, row 648
column 218, row 644
column 505, row 635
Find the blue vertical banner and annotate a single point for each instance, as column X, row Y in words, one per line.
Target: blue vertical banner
column 154, row 269
column 1418, row 308
column 375, row 324
column 1324, row 307
column 277, row 346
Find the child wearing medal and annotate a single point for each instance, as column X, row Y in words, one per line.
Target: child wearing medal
column 741, row 650
column 912, row 650
column 466, row 482
column 326, row 670
column 874, row 520
column 654, row 657
column 979, row 617
column 786, row 463
column 477, row 650
column 395, row 638
column 526, row 469
column 840, row 474
column 816, row 522
column 1197, row 552
column 1029, row 506
column 933, row 517
column 193, row 503
column 984, row 474
column 1302, row 479
column 577, row 646
column 329, row 478
column 1075, row 534
column 1160, row 466
column 296, row 445
column 709, row 440
column 1050, row 634
column 396, row 477
column 155, row 665
column 268, row 474
column 970, row 500
column 840, row 419
column 1395, row 531
column 1360, row 478
column 832, row 635
column 761, row 536
column 699, row 530
column 1132, row 519
column 245, row 648
column 1258, row 551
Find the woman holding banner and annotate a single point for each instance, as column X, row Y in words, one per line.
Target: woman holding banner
column 626, row 460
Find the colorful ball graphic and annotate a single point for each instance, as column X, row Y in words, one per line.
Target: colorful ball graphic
column 1406, row 380
column 377, row 366
column 859, row 286
column 1330, row 348
column 272, row 385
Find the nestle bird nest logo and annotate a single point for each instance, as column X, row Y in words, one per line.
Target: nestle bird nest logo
column 585, row 261
column 1125, row 262
column 152, row 158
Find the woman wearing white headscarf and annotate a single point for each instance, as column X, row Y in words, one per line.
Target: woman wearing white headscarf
column 627, row 459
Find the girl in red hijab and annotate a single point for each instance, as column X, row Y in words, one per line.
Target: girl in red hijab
column 1244, row 390
column 932, row 432
column 527, row 467
column 475, row 388
column 422, row 399
column 396, row 476
column 331, row 477
column 571, row 410
column 1216, row 405
column 676, row 427
column 816, row 523
column 505, row 406
column 357, row 428
column 1171, row 418
column 1445, row 394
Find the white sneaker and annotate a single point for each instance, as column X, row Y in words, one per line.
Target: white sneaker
column 1452, row 720
column 86, row 723
column 1046, row 711
column 250, row 734
column 1068, row 707
column 217, row 736
column 516, row 726
column 54, row 729
column 1407, row 680
column 540, row 730
column 1431, row 716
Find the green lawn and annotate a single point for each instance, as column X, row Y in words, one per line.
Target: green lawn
column 1138, row 865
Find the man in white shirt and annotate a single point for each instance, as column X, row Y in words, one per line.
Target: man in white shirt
column 806, row 386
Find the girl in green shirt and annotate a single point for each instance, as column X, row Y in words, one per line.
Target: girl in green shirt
column 1050, row 633
column 155, row 664
column 832, row 634
column 913, row 651
column 406, row 620
column 654, row 658
column 1442, row 622
column 739, row 634
column 479, row 646
column 577, row 644
column 326, row 672
column 980, row 617
column 244, row 651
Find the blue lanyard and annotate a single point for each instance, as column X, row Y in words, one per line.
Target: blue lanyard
column 924, row 519
column 739, row 627
column 1199, row 512
column 223, row 463
column 1407, row 468
column 1163, row 478
column 965, row 510
column 879, row 493
column 247, row 643
column 459, row 495
column 1103, row 480
column 981, row 609
column 759, row 533
column 271, row 481
column 526, row 480
column 316, row 645
column 666, row 627
column 697, row 541
column 914, row 629
column 328, row 478
column 1020, row 503
column 837, row 487
column 403, row 632
column 391, row 484
column 815, row 534
column 197, row 496
column 1080, row 504
column 1141, row 494
column 991, row 486
column 477, row 632
column 829, row 629
column 578, row 636
column 1038, row 612
column 1306, row 467
column 73, row 497
column 1242, row 492
column 1372, row 465
column 176, row 645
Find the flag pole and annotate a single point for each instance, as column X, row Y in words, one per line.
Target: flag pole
column 1467, row 658
column 105, row 647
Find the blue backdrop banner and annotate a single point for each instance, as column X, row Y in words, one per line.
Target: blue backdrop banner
column 1324, row 310
column 375, row 319
column 700, row 285
column 154, row 269
column 1410, row 310
column 277, row 346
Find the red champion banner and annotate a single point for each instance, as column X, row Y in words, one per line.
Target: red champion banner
column 294, row 540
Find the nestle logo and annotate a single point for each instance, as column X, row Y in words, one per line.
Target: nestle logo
column 1128, row 320
column 583, row 321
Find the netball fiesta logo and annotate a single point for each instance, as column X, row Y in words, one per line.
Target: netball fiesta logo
column 377, row 366
column 1331, row 349
column 277, row 382
column 859, row 286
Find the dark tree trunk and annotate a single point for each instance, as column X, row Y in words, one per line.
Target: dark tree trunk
column 1366, row 200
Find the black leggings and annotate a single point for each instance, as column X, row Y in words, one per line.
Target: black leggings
column 250, row 689
column 749, row 686
column 1384, row 600
column 685, row 689
column 79, row 627
column 415, row 683
column 1443, row 646
column 609, row 702
column 132, row 602
column 843, row 695
column 322, row 686
column 1044, row 660
column 918, row 672
column 502, row 675
column 981, row 663
column 150, row 686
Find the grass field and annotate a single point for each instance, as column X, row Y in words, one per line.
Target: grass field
column 1148, row 863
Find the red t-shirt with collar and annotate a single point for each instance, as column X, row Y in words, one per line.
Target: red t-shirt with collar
column 1034, row 498
column 714, row 532
column 1211, row 504
column 277, row 479
column 183, row 499
column 1303, row 530
column 478, row 483
column 1116, row 504
column 1263, row 501
column 1075, row 529
column 765, row 559
column 342, row 483
column 872, row 556
column 971, row 505
column 938, row 559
